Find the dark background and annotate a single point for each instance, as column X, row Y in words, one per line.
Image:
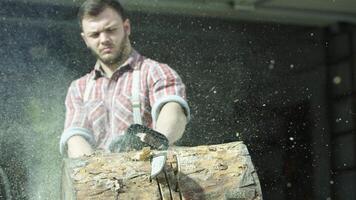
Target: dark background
column 287, row 91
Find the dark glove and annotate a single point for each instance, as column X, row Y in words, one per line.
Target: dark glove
column 138, row 136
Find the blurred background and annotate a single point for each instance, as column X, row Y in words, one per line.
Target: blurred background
column 278, row 74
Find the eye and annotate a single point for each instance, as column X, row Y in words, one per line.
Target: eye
column 94, row 35
column 110, row 30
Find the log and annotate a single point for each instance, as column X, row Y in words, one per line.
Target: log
column 223, row 171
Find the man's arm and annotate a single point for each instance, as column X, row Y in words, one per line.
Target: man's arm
column 76, row 139
column 171, row 121
column 78, row 146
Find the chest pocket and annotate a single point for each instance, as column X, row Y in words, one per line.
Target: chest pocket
column 97, row 117
column 122, row 110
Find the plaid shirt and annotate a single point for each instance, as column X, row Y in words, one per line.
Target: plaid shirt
column 107, row 112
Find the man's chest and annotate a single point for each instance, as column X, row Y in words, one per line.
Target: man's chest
column 112, row 99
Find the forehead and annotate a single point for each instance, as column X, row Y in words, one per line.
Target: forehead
column 108, row 17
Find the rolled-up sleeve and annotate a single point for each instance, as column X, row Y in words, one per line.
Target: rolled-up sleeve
column 166, row 86
column 76, row 120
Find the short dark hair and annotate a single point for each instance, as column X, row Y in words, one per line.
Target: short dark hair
column 95, row 7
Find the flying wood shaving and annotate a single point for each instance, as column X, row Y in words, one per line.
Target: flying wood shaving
column 142, row 155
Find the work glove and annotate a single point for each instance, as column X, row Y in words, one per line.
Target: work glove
column 138, row 136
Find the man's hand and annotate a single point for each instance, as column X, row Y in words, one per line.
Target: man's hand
column 78, row 147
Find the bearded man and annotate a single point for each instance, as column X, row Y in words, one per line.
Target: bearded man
column 124, row 88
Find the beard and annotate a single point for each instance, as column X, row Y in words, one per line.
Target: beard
column 119, row 56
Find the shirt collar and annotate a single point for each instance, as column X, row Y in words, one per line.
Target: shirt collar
column 131, row 62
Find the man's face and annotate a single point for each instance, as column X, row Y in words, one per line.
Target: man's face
column 107, row 35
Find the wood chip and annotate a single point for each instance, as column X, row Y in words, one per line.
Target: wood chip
column 142, row 155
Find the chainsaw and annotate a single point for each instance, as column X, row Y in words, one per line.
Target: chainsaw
column 137, row 137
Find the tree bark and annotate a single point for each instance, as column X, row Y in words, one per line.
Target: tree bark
column 223, row 171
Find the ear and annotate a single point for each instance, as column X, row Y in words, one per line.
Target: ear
column 84, row 38
column 127, row 26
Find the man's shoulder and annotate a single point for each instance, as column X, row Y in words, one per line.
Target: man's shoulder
column 147, row 62
column 81, row 81
column 152, row 64
column 86, row 76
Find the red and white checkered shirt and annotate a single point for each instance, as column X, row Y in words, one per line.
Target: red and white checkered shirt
column 107, row 112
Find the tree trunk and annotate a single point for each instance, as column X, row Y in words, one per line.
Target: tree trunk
column 223, row 171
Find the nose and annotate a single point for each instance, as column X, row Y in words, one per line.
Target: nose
column 104, row 38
